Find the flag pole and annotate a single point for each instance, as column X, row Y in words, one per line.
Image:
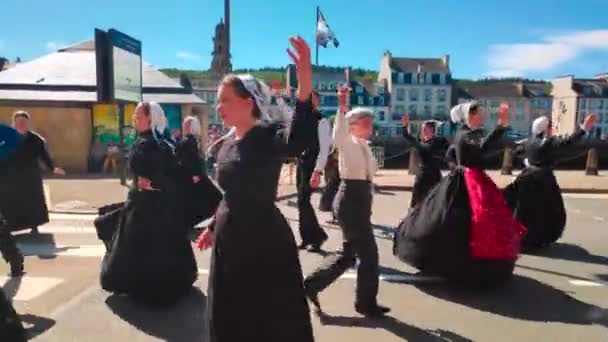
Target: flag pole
column 316, row 40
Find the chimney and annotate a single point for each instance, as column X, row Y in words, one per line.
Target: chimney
column 446, row 60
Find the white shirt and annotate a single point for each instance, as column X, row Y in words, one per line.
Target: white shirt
column 355, row 158
column 324, row 144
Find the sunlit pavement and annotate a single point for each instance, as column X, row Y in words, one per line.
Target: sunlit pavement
column 560, row 295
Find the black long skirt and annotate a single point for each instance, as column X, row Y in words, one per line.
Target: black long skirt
column 435, row 237
column 537, row 203
column 425, row 180
column 256, row 290
column 198, row 201
column 22, row 198
column 150, row 256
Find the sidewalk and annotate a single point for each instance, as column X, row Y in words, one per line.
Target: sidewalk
column 85, row 195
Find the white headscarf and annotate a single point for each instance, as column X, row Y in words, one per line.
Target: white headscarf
column 195, row 125
column 460, row 113
column 540, row 125
column 158, row 121
column 358, row 113
column 260, row 92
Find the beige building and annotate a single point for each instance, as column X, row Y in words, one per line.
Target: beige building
column 420, row 87
column 574, row 98
column 59, row 90
column 526, row 102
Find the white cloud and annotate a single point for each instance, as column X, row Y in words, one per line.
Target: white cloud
column 188, row 56
column 54, row 45
column 508, row 60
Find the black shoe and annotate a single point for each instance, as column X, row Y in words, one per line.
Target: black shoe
column 316, row 247
column 313, row 297
column 17, row 268
column 372, row 310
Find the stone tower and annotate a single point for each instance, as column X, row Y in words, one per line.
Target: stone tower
column 220, row 65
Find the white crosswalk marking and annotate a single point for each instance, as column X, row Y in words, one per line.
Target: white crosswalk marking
column 27, row 288
column 45, row 249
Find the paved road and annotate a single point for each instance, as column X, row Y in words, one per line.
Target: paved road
column 561, row 295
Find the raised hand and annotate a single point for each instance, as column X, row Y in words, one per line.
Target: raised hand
column 405, row 120
column 315, row 180
column 301, row 58
column 205, row 240
column 343, row 99
column 590, row 120
column 503, row 115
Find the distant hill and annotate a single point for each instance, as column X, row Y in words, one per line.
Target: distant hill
column 270, row 74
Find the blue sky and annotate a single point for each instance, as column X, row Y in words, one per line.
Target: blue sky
column 534, row 38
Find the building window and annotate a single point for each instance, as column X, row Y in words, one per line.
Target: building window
column 413, row 110
column 380, row 90
column 427, row 110
column 441, row 110
column 414, row 95
column 332, row 86
column 359, row 89
column 210, row 98
column 441, row 95
column 321, row 100
column 421, row 78
column 408, row 78
column 381, row 101
column 582, row 104
column 381, row 115
column 400, row 94
column 428, row 95
column 535, row 103
column 414, row 78
column 360, row 101
column 400, row 78
column 435, row 79
column 371, row 100
column 330, row 100
column 520, row 105
column 322, row 85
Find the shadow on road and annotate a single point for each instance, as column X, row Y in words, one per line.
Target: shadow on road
column 603, row 277
column 527, row 299
column 394, row 326
column 36, row 325
column 570, row 252
column 41, row 245
column 184, row 322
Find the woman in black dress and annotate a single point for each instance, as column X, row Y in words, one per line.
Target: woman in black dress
column 431, row 149
column 256, row 290
column 150, row 256
column 535, row 192
column 332, row 184
column 22, row 195
column 199, row 197
column 463, row 229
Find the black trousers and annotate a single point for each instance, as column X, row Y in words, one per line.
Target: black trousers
column 8, row 247
column 310, row 230
column 352, row 205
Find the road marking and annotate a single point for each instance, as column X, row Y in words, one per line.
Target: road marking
column 72, row 217
column 584, row 196
column 27, row 288
column 53, row 229
column 47, row 196
column 587, row 283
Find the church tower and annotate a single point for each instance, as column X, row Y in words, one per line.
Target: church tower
column 220, row 65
